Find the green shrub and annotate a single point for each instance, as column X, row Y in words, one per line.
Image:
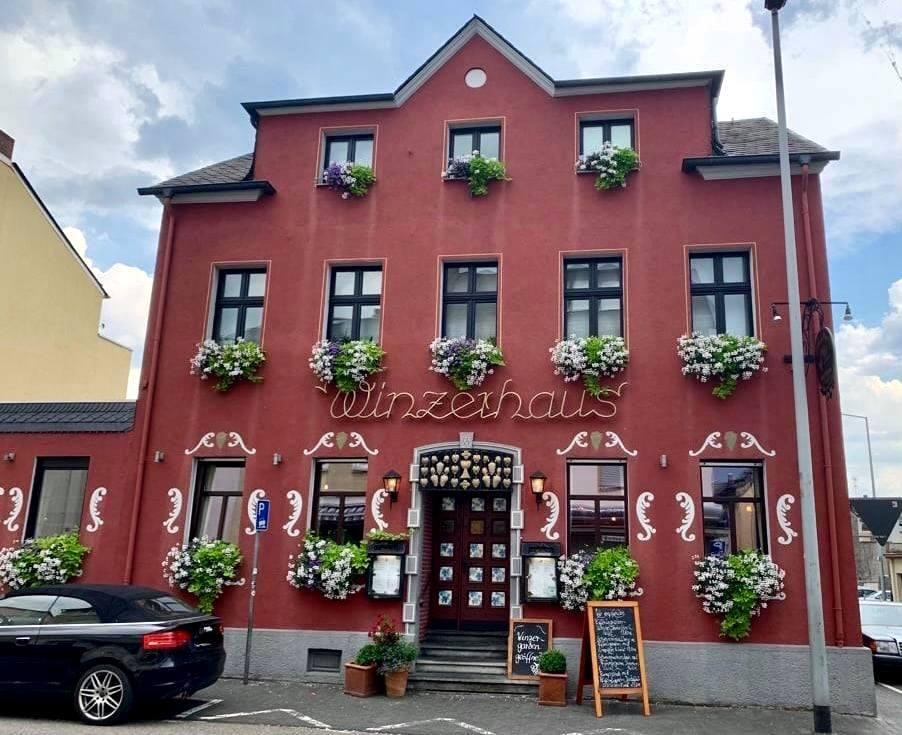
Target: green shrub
column 47, row 560
column 482, row 171
column 368, row 655
column 611, row 574
column 397, row 656
column 552, row 662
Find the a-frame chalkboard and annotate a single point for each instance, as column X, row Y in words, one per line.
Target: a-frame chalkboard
column 612, row 650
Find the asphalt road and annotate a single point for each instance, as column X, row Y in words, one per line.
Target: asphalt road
column 274, row 708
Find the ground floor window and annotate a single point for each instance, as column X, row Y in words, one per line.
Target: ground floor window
column 339, row 500
column 733, row 499
column 57, row 496
column 218, row 496
column 596, row 494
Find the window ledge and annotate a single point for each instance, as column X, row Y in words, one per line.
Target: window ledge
column 454, row 178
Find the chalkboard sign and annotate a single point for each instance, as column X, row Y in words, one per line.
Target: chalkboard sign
column 612, row 649
column 528, row 639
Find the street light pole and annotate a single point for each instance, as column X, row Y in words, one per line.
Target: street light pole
column 820, row 685
column 867, row 431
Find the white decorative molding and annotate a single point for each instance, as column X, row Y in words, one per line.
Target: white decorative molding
column 784, row 503
column 205, row 441
column 326, row 440
column 296, row 501
column 615, row 441
column 643, row 503
column 639, row 591
column 175, row 501
column 230, row 439
column 17, row 500
column 376, row 508
column 94, row 510
column 235, row 440
column 235, row 583
column 712, row 440
column 252, row 499
column 749, row 441
column 580, row 439
column 554, row 505
column 688, row 505
column 357, row 440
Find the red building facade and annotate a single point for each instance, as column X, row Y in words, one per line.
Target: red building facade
column 257, row 246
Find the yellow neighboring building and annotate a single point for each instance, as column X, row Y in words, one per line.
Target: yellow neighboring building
column 49, row 306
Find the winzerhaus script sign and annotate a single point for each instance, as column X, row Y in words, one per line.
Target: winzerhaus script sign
column 612, row 650
column 528, row 639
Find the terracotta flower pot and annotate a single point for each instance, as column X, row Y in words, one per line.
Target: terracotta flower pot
column 361, row 681
column 553, row 689
column 396, row 683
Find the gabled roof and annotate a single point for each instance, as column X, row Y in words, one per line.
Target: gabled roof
column 29, row 418
column 476, row 26
column 54, row 225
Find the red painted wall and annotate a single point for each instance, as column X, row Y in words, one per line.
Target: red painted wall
column 411, row 219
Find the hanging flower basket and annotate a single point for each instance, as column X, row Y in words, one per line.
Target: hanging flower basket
column 608, row 574
column 346, row 365
column 351, row 179
column 476, row 171
column 202, row 567
column 331, row 568
column 228, row 363
column 737, row 588
column 612, row 164
column 589, row 359
column 465, row 362
column 47, row 560
column 723, row 357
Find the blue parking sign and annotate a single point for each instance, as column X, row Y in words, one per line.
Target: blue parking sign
column 262, row 516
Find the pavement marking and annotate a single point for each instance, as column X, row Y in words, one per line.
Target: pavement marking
column 417, row 723
column 291, row 712
column 897, row 691
column 199, row 708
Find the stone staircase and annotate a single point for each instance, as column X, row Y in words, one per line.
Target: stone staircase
column 452, row 661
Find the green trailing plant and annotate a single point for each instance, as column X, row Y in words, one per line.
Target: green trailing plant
column 47, row 560
column 228, row 363
column 351, row 179
column 368, row 655
column 477, row 171
column 612, row 164
column 325, row 565
column 465, row 362
column 723, row 357
column 379, row 535
column 611, row 574
column 346, row 364
column 736, row 588
column 202, row 567
column 552, row 662
column 590, row 358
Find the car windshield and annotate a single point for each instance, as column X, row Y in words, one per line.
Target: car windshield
column 881, row 615
column 162, row 607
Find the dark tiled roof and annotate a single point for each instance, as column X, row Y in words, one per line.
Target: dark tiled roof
column 225, row 172
column 29, row 418
column 757, row 136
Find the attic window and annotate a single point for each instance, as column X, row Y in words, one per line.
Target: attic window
column 475, row 78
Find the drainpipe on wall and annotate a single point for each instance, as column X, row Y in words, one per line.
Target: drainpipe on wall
column 150, row 382
column 823, row 414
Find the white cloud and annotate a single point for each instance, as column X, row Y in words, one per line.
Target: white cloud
column 870, row 373
column 124, row 314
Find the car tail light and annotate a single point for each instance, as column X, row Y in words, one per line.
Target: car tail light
column 166, row 641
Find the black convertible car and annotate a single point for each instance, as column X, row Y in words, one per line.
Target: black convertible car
column 106, row 646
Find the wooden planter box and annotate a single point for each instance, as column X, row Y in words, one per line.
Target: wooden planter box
column 396, row 683
column 361, row 681
column 553, row 689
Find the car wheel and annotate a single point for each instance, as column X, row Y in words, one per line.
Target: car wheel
column 103, row 695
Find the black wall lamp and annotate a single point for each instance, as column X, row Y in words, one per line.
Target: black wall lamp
column 391, row 483
column 537, row 483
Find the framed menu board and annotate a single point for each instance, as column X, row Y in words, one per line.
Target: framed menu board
column 612, row 649
column 528, row 639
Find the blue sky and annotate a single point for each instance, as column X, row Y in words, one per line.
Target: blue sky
column 103, row 97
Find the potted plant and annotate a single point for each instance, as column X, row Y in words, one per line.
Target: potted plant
column 589, row 358
column 202, row 567
column 553, row 678
column 722, row 357
column 465, row 362
column 346, row 364
column 47, row 560
column 361, row 679
column 476, row 171
column 351, row 179
column 325, row 565
column 385, row 542
column 612, row 164
column 228, row 363
column 395, row 660
column 606, row 574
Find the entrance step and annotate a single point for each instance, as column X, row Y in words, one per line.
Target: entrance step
column 463, row 661
column 471, row 683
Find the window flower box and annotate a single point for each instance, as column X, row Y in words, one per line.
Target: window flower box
column 590, row 359
column 722, row 357
column 465, row 362
column 611, row 166
column 476, row 171
column 228, row 363
column 346, row 365
column 351, row 179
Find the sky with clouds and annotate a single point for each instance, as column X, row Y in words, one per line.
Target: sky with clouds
column 105, row 96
